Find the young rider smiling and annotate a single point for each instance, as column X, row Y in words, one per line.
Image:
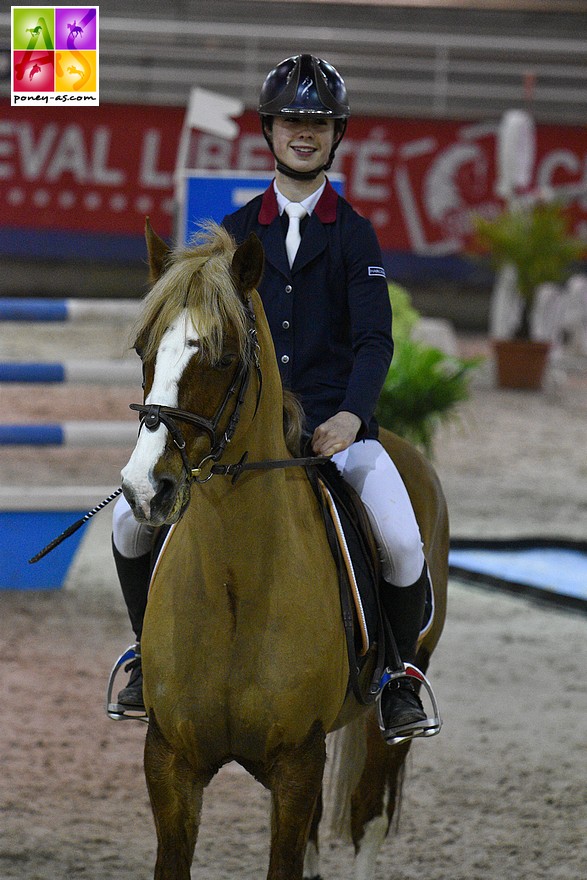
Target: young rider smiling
column 303, row 144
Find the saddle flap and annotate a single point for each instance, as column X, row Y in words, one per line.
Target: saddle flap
column 347, row 561
column 356, row 551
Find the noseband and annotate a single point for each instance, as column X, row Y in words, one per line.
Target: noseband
column 153, row 415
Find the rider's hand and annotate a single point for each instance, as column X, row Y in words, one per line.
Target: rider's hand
column 336, row 433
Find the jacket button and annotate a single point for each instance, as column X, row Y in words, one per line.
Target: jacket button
column 288, row 288
column 284, row 359
column 285, row 325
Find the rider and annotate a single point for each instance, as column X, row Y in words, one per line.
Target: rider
column 330, row 320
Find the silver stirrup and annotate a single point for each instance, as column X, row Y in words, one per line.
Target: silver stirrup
column 115, row 710
column 430, row 727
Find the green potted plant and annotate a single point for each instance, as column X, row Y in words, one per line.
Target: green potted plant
column 535, row 242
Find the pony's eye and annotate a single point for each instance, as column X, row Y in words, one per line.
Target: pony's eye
column 225, row 361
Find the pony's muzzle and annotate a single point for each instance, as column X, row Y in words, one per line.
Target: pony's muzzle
column 164, row 505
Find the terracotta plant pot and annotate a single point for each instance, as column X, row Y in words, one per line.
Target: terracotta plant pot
column 521, row 363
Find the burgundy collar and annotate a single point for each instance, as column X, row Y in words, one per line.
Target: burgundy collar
column 325, row 208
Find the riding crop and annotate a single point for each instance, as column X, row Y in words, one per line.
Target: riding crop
column 70, row 530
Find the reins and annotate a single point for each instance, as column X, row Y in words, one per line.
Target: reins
column 236, row 469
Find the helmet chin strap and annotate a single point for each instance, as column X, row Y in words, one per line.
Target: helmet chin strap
column 303, row 175
column 298, row 175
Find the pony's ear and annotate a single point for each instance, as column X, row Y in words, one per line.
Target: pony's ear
column 247, row 264
column 157, row 251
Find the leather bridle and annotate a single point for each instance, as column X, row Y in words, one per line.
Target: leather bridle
column 154, row 415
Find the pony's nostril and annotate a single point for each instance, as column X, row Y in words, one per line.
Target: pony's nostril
column 164, row 494
column 129, row 493
column 138, row 504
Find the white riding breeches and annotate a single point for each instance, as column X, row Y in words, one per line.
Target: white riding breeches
column 373, row 475
column 131, row 539
column 367, row 467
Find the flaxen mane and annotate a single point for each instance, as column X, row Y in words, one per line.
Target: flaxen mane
column 198, row 278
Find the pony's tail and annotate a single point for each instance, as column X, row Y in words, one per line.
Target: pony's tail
column 346, row 751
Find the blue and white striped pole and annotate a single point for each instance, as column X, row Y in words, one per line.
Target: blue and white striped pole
column 106, row 372
column 36, row 309
column 87, row 433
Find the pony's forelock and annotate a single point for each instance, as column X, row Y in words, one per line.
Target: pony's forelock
column 198, row 278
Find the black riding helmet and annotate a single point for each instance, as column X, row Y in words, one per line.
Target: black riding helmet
column 304, row 85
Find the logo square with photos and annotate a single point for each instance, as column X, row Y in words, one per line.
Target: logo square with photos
column 55, row 55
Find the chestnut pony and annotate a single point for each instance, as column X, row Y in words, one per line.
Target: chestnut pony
column 243, row 649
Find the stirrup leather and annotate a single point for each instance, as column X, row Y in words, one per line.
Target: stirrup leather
column 429, row 727
column 115, row 710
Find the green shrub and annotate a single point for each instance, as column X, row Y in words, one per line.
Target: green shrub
column 424, row 385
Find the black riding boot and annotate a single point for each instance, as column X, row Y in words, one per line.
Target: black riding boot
column 134, row 576
column 401, row 706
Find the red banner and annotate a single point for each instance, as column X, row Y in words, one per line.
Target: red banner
column 87, row 170
column 101, row 170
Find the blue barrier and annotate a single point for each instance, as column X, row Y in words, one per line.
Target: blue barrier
column 22, row 534
column 31, row 517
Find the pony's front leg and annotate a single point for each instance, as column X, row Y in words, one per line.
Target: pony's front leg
column 176, row 800
column 295, row 780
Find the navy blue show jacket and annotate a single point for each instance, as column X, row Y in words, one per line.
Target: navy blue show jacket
column 329, row 315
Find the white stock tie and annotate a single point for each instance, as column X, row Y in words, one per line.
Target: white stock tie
column 295, row 212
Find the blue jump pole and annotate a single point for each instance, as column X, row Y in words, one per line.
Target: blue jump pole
column 36, row 309
column 70, row 434
column 31, row 372
column 106, row 372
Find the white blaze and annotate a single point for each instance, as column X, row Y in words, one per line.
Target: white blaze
column 178, row 345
